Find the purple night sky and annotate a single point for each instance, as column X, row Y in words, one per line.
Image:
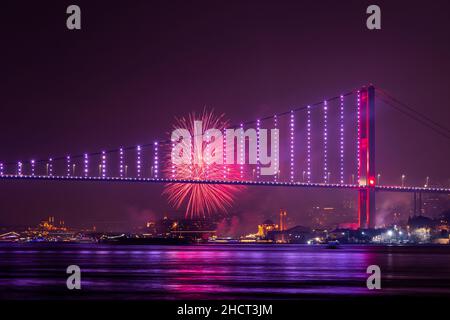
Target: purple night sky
column 136, row 65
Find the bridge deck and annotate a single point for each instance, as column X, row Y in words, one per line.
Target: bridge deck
column 228, row 182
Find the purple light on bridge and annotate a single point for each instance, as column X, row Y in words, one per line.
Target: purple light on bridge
column 291, row 149
column 358, row 115
column 341, row 138
column 242, row 150
column 173, row 157
column 103, row 165
column 32, row 162
column 86, row 165
column 138, row 161
column 121, row 165
column 258, row 135
column 325, row 142
column 19, row 168
column 224, row 149
column 1, row 169
column 308, row 143
column 275, row 124
column 50, row 167
column 155, row 160
column 68, row 166
column 208, row 151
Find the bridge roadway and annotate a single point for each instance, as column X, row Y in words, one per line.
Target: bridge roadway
column 228, row 182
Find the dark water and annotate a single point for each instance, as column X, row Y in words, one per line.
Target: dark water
column 38, row 271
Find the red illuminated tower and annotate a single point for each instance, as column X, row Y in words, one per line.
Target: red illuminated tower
column 283, row 214
column 366, row 158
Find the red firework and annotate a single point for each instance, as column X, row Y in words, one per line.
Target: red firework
column 201, row 200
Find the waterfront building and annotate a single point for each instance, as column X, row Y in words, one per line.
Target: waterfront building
column 267, row 226
column 297, row 234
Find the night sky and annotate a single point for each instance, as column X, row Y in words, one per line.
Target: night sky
column 136, row 65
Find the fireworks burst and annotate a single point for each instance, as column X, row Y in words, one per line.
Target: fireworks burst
column 201, row 200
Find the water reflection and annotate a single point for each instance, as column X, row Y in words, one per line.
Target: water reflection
column 37, row 271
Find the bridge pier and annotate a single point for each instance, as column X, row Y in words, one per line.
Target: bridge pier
column 366, row 155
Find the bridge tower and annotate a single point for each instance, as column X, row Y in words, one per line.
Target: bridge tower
column 366, row 158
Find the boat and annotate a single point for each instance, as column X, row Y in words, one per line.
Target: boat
column 132, row 240
column 333, row 244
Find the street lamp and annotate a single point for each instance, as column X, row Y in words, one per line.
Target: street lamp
column 378, row 178
column 403, row 180
column 427, row 182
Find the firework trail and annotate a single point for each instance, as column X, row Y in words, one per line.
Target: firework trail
column 201, row 200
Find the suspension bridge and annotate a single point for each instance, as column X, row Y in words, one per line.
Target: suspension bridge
column 309, row 161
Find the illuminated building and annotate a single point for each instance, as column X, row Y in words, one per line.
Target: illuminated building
column 443, row 223
column 266, row 227
column 419, row 228
column 297, row 234
column 194, row 229
column 150, row 229
column 49, row 225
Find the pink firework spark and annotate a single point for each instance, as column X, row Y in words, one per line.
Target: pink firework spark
column 201, row 200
